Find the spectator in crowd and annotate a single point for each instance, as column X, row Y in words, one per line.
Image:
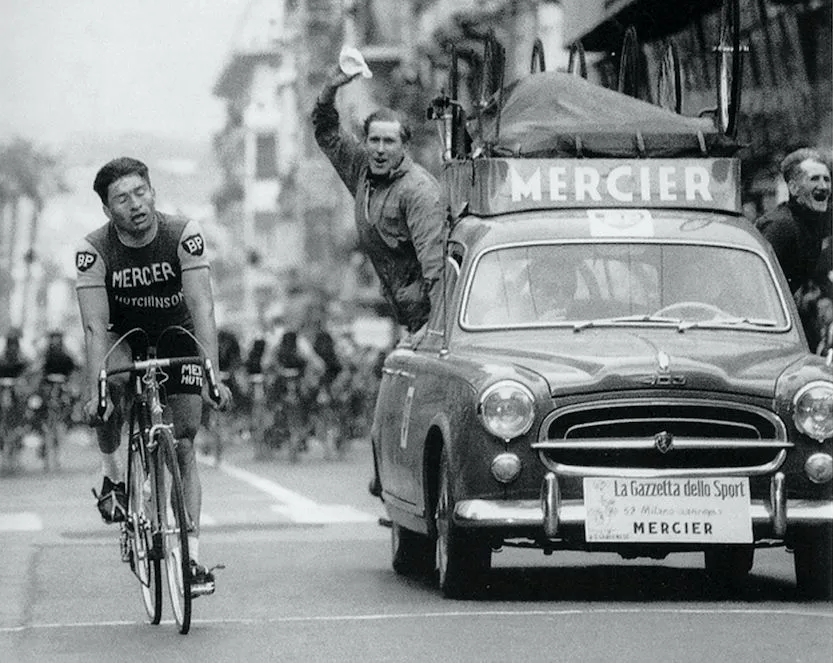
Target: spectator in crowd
column 797, row 229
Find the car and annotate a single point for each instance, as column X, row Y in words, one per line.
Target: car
column 617, row 365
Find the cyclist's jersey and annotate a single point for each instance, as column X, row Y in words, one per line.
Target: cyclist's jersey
column 143, row 284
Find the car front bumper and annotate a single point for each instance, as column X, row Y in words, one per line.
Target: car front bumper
column 553, row 514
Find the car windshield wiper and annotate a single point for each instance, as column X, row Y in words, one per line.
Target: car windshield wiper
column 643, row 317
column 755, row 322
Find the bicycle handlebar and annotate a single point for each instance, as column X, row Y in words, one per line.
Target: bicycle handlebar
column 153, row 364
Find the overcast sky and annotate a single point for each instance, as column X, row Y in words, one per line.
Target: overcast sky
column 112, row 66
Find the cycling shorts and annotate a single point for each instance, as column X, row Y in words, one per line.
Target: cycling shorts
column 184, row 379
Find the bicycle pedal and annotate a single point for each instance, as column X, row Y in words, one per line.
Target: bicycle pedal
column 204, row 589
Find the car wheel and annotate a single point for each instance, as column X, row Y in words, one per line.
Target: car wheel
column 412, row 554
column 729, row 566
column 463, row 559
column 813, row 553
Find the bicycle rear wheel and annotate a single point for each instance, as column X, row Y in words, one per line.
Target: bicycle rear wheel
column 729, row 68
column 174, row 523
column 145, row 565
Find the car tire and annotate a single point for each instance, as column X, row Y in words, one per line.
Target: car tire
column 463, row 559
column 812, row 553
column 412, row 554
column 729, row 566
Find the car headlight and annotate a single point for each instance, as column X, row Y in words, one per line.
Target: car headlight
column 813, row 410
column 507, row 409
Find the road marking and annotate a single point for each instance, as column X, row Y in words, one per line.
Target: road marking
column 324, row 513
column 24, row 521
column 709, row 611
column 298, row 508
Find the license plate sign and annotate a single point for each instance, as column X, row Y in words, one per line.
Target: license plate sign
column 676, row 510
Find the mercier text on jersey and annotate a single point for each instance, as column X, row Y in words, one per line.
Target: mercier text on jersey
column 144, row 283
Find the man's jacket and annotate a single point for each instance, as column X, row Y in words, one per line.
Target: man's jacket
column 398, row 219
column 796, row 235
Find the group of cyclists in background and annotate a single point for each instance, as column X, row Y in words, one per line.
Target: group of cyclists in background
column 291, row 384
column 40, row 397
column 302, row 379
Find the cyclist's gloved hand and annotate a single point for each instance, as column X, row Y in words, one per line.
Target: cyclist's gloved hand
column 91, row 412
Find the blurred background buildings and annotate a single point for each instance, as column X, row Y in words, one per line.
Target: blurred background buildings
column 276, row 216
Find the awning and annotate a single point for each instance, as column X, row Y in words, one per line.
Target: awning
column 653, row 19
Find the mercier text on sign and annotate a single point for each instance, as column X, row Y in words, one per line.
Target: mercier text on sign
column 501, row 186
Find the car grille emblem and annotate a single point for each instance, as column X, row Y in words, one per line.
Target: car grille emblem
column 663, row 442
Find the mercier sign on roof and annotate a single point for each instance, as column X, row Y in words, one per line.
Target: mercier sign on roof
column 498, row 186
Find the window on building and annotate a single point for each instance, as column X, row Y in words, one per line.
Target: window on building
column 266, row 157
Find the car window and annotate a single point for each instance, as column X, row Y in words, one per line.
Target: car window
column 566, row 283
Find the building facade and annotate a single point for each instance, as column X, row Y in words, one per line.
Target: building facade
column 258, row 152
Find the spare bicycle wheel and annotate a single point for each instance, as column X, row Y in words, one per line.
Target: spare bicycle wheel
column 629, row 64
column 670, row 80
column 577, row 64
column 729, row 68
column 537, row 63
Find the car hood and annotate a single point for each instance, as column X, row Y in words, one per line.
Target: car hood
column 621, row 359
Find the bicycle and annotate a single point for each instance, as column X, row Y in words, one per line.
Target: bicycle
column 220, row 427
column 157, row 523
column 46, row 410
column 11, row 420
column 292, row 406
column 260, row 422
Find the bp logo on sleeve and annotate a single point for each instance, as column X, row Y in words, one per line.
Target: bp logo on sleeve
column 84, row 260
column 194, row 244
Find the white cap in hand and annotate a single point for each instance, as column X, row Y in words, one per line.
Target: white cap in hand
column 351, row 62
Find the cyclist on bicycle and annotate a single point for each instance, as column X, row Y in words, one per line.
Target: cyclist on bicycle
column 14, row 361
column 54, row 369
column 15, row 368
column 294, row 361
column 147, row 270
column 57, row 359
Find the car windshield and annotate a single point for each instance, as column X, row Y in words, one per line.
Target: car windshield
column 585, row 285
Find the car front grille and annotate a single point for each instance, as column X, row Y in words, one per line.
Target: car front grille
column 636, row 436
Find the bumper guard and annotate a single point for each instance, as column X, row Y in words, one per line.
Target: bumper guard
column 552, row 513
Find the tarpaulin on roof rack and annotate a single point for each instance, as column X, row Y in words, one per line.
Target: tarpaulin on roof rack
column 553, row 114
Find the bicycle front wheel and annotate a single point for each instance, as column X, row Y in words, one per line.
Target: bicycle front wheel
column 146, row 565
column 174, row 522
